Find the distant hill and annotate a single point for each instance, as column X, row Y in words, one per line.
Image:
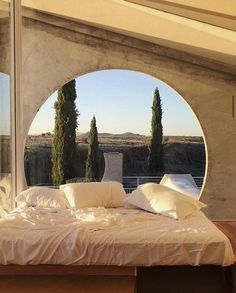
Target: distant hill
column 127, row 139
column 128, row 134
column 106, row 134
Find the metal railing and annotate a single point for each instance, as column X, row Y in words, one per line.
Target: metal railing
column 199, row 180
column 130, row 183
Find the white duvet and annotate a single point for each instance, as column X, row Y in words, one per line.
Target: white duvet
column 99, row 236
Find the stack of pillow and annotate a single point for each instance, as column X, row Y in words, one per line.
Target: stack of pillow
column 151, row 197
column 74, row 195
column 5, row 192
column 46, row 197
column 160, row 199
column 94, row 194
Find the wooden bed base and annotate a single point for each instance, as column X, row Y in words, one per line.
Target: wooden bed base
column 114, row 279
column 64, row 279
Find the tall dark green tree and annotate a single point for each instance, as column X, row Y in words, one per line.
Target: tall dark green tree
column 92, row 163
column 155, row 159
column 64, row 149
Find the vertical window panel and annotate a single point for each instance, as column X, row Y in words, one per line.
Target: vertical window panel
column 5, row 106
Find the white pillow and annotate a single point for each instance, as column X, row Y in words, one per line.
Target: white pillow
column 183, row 183
column 94, row 194
column 161, row 199
column 5, row 192
column 42, row 197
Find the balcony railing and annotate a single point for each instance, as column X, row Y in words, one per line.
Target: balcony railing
column 130, row 183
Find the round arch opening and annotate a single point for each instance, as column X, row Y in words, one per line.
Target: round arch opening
column 42, row 162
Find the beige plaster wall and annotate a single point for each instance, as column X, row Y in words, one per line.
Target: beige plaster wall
column 204, row 11
column 52, row 56
column 216, row 6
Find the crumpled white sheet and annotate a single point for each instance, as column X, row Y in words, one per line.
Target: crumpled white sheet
column 49, row 235
column 119, row 236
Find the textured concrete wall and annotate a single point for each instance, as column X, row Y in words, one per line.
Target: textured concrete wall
column 5, row 45
column 56, row 51
column 156, row 26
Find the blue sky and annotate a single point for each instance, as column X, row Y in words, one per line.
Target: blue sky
column 121, row 101
column 4, row 104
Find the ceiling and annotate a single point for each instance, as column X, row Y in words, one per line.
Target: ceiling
column 203, row 28
column 211, row 12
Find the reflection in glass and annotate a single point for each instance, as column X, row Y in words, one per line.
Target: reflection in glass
column 5, row 133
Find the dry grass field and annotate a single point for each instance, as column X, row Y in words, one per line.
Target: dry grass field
column 181, row 155
column 113, row 140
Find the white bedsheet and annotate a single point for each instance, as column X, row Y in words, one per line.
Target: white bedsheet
column 99, row 236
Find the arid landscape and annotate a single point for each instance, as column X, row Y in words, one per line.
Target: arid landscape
column 182, row 154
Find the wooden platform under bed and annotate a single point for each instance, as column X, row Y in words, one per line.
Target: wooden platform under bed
column 229, row 229
column 67, row 279
column 104, row 279
column 187, row 279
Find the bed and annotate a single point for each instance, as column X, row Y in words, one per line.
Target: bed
column 114, row 236
column 100, row 248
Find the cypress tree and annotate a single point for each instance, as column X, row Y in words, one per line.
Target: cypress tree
column 92, row 163
column 64, row 149
column 155, row 159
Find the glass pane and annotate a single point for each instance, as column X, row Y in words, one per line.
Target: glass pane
column 5, row 132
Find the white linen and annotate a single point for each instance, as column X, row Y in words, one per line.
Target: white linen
column 5, row 191
column 41, row 196
column 3, row 213
column 94, row 194
column 182, row 183
column 99, row 236
column 157, row 198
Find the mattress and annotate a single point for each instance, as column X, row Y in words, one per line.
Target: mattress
column 119, row 236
